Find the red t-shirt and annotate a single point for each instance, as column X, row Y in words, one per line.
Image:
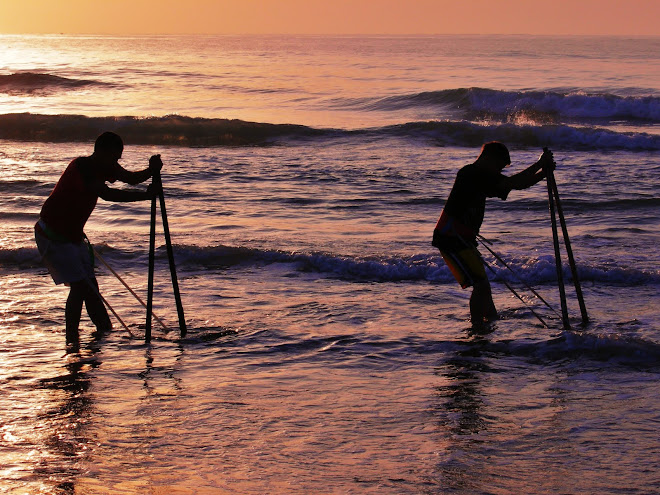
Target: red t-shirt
column 464, row 210
column 72, row 201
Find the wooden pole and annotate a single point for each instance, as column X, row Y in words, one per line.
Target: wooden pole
column 170, row 256
column 123, row 282
column 484, row 242
column 555, row 239
column 569, row 250
column 103, row 299
column 150, row 283
column 513, row 291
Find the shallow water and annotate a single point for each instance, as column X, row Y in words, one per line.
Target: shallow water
column 334, row 396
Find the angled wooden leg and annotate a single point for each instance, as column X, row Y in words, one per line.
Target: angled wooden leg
column 170, row 256
column 150, row 282
column 555, row 239
column 569, row 251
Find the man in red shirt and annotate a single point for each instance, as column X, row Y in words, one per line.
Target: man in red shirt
column 59, row 231
column 455, row 234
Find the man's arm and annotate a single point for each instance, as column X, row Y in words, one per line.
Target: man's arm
column 531, row 175
column 133, row 178
column 123, row 196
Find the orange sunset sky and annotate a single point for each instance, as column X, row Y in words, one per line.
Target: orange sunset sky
column 620, row 17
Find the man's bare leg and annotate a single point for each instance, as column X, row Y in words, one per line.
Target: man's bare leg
column 482, row 307
column 84, row 291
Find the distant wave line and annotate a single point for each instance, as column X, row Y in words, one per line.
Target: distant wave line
column 173, row 130
column 27, row 83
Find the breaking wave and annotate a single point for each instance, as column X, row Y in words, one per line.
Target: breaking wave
column 394, row 269
column 188, row 131
column 422, row 267
column 553, row 135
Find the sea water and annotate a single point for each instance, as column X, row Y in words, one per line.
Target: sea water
column 329, row 348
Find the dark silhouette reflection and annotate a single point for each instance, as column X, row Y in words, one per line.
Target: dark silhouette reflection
column 461, row 415
column 66, row 442
column 152, row 372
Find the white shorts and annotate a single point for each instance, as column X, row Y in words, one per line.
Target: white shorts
column 67, row 262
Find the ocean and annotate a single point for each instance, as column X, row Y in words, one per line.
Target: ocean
column 329, row 349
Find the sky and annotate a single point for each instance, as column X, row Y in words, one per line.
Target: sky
column 547, row 17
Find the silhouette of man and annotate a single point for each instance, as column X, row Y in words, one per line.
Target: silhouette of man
column 455, row 234
column 59, row 232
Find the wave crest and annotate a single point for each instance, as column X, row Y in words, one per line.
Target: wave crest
column 545, row 106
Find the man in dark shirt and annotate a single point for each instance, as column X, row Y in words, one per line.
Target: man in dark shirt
column 59, row 231
column 455, row 234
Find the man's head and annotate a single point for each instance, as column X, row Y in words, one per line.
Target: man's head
column 495, row 154
column 109, row 146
